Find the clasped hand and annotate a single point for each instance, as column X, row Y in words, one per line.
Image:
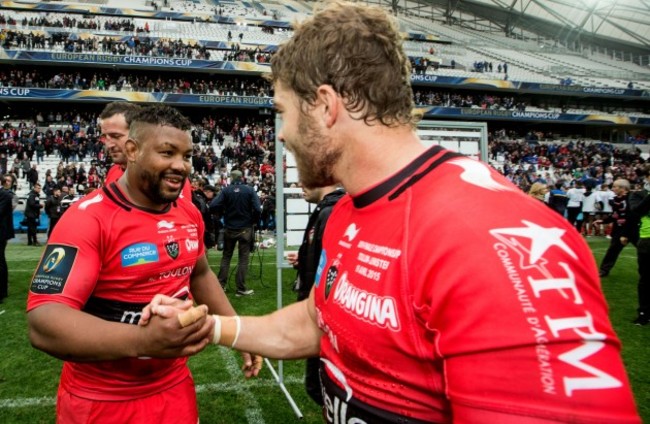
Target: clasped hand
column 165, row 307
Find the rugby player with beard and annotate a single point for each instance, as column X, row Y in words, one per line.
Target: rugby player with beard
column 432, row 302
column 110, row 253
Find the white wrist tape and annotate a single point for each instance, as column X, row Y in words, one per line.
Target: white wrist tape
column 226, row 330
column 217, row 329
column 238, row 321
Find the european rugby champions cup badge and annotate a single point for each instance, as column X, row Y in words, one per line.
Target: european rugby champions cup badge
column 172, row 247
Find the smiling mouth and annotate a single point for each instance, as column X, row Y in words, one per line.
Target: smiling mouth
column 174, row 181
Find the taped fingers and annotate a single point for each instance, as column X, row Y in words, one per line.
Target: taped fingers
column 258, row 362
column 192, row 315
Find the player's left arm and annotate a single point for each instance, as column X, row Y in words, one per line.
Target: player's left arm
column 206, row 289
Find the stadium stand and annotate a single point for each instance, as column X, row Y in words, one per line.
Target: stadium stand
column 197, row 55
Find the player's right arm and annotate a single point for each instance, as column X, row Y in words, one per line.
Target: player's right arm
column 73, row 335
column 288, row 333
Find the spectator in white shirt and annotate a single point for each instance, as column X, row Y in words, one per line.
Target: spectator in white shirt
column 574, row 207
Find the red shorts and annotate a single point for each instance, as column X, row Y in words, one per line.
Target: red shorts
column 176, row 405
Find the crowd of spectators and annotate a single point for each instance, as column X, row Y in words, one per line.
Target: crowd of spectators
column 591, row 163
column 450, row 99
column 140, row 81
column 221, row 143
column 118, row 45
column 224, row 141
column 135, row 45
column 238, row 54
column 86, row 22
column 227, row 141
column 485, row 66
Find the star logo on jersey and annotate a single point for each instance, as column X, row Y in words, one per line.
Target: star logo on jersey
column 541, row 239
column 478, row 174
column 172, row 248
column 351, row 232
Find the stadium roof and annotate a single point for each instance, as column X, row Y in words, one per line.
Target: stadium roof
column 622, row 24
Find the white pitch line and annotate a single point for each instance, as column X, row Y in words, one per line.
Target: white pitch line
column 245, row 385
column 253, row 410
column 24, row 402
column 240, row 387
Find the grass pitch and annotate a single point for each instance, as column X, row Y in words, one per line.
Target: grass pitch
column 29, row 378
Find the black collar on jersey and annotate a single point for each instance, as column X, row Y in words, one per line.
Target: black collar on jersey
column 114, row 193
column 405, row 178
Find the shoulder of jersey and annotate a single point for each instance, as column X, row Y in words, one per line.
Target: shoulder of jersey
column 91, row 201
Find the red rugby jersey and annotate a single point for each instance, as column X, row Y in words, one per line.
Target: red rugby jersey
column 447, row 293
column 109, row 258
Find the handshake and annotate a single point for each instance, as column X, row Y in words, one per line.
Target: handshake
column 226, row 329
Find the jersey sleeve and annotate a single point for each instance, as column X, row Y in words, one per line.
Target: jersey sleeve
column 68, row 270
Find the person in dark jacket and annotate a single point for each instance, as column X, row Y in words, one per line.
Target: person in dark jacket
column 53, row 209
column 32, row 213
column 49, row 185
column 239, row 206
column 211, row 222
column 620, row 209
column 637, row 228
column 6, row 232
column 558, row 198
column 32, row 176
column 306, row 262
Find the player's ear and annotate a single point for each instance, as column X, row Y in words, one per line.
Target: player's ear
column 328, row 104
column 131, row 149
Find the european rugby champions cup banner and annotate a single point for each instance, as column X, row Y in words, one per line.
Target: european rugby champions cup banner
column 251, row 102
column 515, row 115
column 431, row 80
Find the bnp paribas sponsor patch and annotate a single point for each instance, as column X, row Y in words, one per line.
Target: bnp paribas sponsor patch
column 139, row 254
column 54, row 269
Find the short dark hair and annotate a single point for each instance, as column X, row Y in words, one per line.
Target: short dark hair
column 160, row 115
column 125, row 108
